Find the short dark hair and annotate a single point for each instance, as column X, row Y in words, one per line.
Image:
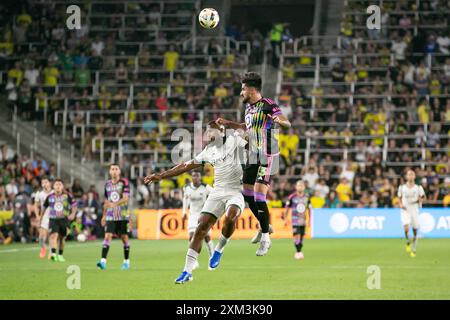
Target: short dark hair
column 58, row 179
column 196, row 171
column 114, row 164
column 252, row 79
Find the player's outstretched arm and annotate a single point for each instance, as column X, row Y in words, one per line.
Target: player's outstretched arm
column 230, row 124
column 175, row 171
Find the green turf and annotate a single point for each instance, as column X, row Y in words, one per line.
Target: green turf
column 333, row 269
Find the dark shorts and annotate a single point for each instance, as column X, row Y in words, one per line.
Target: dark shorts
column 260, row 172
column 117, row 227
column 59, row 225
column 298, row 230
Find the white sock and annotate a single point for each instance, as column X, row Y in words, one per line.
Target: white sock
column 265, row 237
column 210, row 246
column 191, row 258
column 103, row 260
column 126, row 261
column 414, row 245
column 222, row 243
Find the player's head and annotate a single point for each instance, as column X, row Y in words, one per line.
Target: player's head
column 114, row 171
column 300, row 186
column 58, row 186
column 251, row 85
column 410, row 175
column 45, row 183
column 214, row 132
column 196, row 177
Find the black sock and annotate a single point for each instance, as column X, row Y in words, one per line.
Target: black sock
column 126, row 252
column 105, row 250
column 263, row 211
column 61, row 252
column 53, row 250
column 298, row 246
column 252, row 205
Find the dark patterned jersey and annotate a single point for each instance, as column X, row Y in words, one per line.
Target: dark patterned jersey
column 60, row 206
column 298, row 204
column 260, row 126
column 113, row 193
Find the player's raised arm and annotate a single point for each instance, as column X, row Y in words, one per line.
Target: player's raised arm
column 230, row 124
column 173, row 172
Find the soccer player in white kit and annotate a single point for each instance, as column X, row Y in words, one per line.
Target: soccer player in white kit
column 224, row 154
column 43, row 216
column 411, row 197
column 194, row 197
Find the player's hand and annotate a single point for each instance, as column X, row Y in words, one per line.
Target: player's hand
column 222, row 122
column 108, row 204
column 151, row 178
column 103, row 221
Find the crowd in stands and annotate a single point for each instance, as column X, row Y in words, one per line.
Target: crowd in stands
column 20, row 179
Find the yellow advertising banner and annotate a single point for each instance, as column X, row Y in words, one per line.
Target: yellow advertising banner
column 168, row 224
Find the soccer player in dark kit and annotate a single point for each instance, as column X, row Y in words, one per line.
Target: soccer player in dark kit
column 298, row 202
column 116, row 216
column 261, row 117
column 62, row 208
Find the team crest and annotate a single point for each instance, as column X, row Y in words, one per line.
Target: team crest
column 59, row 206
column 115, row 196
column 301, row 208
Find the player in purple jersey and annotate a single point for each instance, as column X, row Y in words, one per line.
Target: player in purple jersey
column 116, row 217
column 61, row 207
column 261, row 117
column 298, row 202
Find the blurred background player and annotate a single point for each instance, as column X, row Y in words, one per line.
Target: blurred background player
column 116, row 216
column 62, row 208
column 411, row 197
column 226, row 197
column 194, row 197
column 43, row 215
column 261, row 116
column 298, row 202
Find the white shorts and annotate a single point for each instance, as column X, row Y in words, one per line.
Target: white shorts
column 193, row 222
column 45, row 221
column 410, row 217
column 219, row 200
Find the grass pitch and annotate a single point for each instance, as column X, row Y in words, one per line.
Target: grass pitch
column 332, row 269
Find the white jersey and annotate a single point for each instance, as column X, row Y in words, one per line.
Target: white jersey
column 40, row 197
column 225, row 158
column 194, row 197
column 409, row 196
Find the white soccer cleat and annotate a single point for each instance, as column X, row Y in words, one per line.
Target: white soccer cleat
column 196, row 265
column 263, row 248
column 257, row 237
column 299, row 256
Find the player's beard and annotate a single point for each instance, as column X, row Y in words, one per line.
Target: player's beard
column 245, row 99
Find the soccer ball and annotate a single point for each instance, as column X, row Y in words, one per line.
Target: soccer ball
column 81, row 237
column 208, row 18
